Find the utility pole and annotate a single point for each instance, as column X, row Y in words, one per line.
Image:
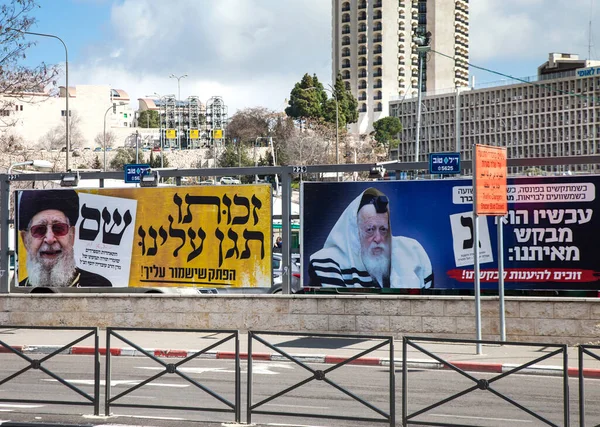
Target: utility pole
column 423, row 46
column 177, row 103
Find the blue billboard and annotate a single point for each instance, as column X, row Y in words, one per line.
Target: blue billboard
column 419, row 234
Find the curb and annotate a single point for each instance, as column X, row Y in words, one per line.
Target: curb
column 547, row 370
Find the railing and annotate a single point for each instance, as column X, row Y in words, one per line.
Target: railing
column 480, row 383
column 585, row 349
column 322, row 375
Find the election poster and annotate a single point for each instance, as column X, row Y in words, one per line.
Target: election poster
column 206, row 236
column 550, row 234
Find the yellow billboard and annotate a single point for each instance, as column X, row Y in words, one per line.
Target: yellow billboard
column 194, row 134
column 218, row 134
column 171, row 134
column 205, row 236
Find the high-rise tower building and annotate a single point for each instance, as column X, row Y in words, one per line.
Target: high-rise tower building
column 373, row 49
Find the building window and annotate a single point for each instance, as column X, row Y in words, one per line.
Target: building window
column 346, row 74
column 345, row 17
column 346, row 7
column 362, row 62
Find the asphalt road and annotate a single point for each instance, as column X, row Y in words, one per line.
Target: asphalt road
column 541, row 394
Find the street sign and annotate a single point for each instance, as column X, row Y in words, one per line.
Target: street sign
column 444, row 163
column 194, row 133
column 134, row 172
column 171, row 134
column 490, row 180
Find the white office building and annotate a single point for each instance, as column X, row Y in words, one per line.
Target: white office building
column 553, row 114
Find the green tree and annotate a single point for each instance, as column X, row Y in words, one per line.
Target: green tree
column 307, row 99
column 148, row 119
column 122, row 157
column 347, row 105
column 154, row 161
column 96, row 164
column 234, row 156
column 386, row 130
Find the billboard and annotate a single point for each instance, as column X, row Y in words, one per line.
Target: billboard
column 206, row 236
column 549, row 234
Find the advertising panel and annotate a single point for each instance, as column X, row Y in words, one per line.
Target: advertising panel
column 549, row 234
column 209, row 236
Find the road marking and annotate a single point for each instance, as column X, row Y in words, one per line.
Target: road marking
column 18, row 405
column 120, row 382
column 297, row 406
column 258, row 369
column 480, row 418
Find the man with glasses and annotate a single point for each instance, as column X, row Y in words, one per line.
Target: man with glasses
column 47, row 222
column 360, row 250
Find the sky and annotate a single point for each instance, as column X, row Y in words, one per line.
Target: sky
column 252, row 52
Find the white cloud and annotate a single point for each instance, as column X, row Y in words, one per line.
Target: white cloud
column 250, row 52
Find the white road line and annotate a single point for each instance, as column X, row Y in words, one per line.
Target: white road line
column 119, row 382
column 19, row 405
column 297, row 406
column 258, row 369
column 480, row 418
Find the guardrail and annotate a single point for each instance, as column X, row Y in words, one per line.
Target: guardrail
column 583, row 350
column 322, row 375
column 174, row 369
column 38, row 364
column 480, row 383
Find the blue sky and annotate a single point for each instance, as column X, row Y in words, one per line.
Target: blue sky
column 251, row 52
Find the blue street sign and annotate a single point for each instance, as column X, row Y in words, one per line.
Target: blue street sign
column 134, row 172
column 444, row 163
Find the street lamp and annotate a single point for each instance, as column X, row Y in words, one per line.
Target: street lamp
column 337, row 126
column 68, row 145
column 173, row 76
column 423, row 46
column 37, row 164
column 114, row 108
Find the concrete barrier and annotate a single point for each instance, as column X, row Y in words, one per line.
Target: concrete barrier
column 553, row 320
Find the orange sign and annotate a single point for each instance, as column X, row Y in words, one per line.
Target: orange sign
column 490, row 180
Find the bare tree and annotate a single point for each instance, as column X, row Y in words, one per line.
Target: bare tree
column 55, row 138
column 18, row 82
column 111, row 139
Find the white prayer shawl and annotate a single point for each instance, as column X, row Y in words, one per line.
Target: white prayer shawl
column 339, row 263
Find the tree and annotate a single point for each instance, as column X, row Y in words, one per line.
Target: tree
column 386, row 129
column 347, row 105
column 111, row 138
column 148, row 119
column 155, row 162
column 55, row 138
column 307, row 99
column 234, row 156
column 122, row 157
column 18, row 80
column 96, row 163
column 249, row 123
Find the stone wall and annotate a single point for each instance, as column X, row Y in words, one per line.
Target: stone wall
column 546, row 320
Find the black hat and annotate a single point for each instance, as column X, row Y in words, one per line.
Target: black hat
column 33, row 201
column 373, row 196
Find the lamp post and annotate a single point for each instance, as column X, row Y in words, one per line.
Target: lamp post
column 68, row 145
column 422, row 41
column 173, row 76
column 104, row 134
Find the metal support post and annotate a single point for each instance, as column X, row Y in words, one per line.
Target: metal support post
column 476, row 280
column 500, row 230
column 286, row 192
column 4, row 231
column 418, row 132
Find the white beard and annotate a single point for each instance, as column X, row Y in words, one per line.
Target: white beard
column 378, row 266
column 56, row 276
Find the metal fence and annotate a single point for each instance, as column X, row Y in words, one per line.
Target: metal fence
column 174, row 369
column 479, row 383
column 322, row 375
column 39, row 364
column 585, row 349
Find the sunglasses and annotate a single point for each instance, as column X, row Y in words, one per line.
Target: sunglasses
column 59, row 229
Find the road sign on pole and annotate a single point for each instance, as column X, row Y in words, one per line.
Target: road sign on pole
column 133, row 172
column 444, row 163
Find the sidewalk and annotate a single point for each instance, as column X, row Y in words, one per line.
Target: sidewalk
column 494, row 358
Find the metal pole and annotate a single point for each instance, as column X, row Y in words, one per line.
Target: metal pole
column 500, row 230
column 476, row 282
column 286, row 184
column 4, row 230
column 418, row 133
column 104, row 133
column 137, row 147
